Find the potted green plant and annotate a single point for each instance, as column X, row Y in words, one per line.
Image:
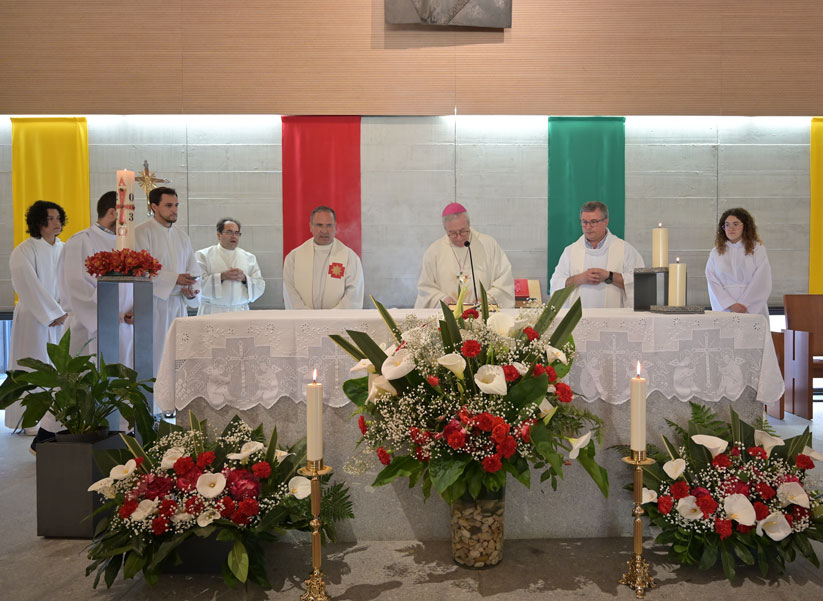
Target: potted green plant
column 82, row 395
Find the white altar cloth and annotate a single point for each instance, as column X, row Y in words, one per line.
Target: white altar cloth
column 258, row 357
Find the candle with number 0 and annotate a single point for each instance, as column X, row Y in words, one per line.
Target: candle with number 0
column 314, row 420
column 124, row 209
column 660, row 246
column 638, row 417
column 677, row 284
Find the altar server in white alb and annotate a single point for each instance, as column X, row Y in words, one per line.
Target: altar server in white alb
column 323, row 273
column 738, row 271
column 447, row 265
column 175, row 287
column 78, row 289
column 231, row 276
column 599, row 263
column 38, row 316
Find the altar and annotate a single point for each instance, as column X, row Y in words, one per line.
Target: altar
column 256, row 364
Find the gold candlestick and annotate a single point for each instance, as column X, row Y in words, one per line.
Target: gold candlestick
column 315, row 587
column 637, row 577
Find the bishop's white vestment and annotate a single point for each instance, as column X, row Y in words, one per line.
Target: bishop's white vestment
column 735, row 277
column 224, row 296
column 33, row 266
column 613, row 254
column 445, row 266
column 172, row 248
column 323, row 276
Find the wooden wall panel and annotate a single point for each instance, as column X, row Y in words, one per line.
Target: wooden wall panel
column 703, row 57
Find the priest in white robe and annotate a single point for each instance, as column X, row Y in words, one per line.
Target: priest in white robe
column 323, row 273
column 231, row 276
column 175, row 287
column 447, row 265
column 78, row 289
column 38, row 316
column 738, row 272
column 599, row 263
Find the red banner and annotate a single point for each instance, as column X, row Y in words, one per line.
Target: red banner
column 321, row 166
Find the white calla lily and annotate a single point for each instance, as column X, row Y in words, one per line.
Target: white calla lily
column 675, row 468
column 300, row 487
column 491, row 379
column 398, row 365
column 775, row 526
column 810, row 452
column 182, row 517
column 119, row 472
column 714, row 444
column 105, row 487
column 379, row 385
column 767, row 441
column 649, row 496
column 501, row 323
column 687, row 507
column 210, row 485
column 171, row 456
column 792, row 493
column 547, row 411
column 281, row 455
column 246, row 451
column 521, row 369
column 455, row 363
column 578, row 443
column 553, row 354
column 363, row 364
column 207, row 517
column 740, row 509
column 144, row 509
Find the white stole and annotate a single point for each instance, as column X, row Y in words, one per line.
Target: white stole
column 614, row 263
column 334, row 279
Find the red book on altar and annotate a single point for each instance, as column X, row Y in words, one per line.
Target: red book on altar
column 521, row 289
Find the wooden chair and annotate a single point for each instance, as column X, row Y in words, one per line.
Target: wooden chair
column 803, row 341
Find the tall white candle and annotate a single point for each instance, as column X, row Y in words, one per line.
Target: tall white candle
column 660, row 246
column 314, row 420
column 124, row 226
column 677, row 284
column 638, row 417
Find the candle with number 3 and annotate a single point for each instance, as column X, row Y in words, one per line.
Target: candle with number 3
column 314, row 420
column 638, row 416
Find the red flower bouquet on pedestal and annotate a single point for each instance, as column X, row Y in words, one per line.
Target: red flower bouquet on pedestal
column 137, row 263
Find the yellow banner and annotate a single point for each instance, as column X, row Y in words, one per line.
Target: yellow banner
column 50, row 161
column 816, row 212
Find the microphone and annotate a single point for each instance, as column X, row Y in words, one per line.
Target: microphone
column 471, row 262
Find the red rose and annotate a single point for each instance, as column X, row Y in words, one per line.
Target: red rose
column 800, row 513
column 361, row 422
column 538, row 370
column 744, row 529
column 138, row 461
column 433, row 381
column 707, row 505
column 205, row 459
column 159, row 525
column 563, row 392
column 240, row 518
column 484, row 422
column 421, row 455
column 261, row 469
column 188, row 481
column 804, row 462
column 511, row 373
column 168, row 508
column 734, row 452
column 242, row 484
column 492, row 464
column 699, row 491
column 456, row 439
column 721, row 461
column 765, row 491
column 500, row 431
column 526, row 430
column 741, row 488
column 761, row 510
column 225, row 505
column 531, row 333
column 757, row 452
column 194, row 505
column 470, row 348
column 665, row 504
column 470, row 314
column 723, row 527
column 551, row 373
column 419, row 436
column 789, row 518
column 680, row 489
column 464, row 415
column 157, row 486
column 127, row 508
column 383, row 456
column 507, row 447
column 249, row 506
column 734, row 486
column 788, row 478
column 183, row 465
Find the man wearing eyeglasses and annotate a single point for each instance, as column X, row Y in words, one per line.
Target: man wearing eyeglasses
column 448, row 267
column 231, row 276
column 599, row 263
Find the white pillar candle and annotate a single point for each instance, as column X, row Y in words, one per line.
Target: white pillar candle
column 314, row 420
column 638, row 416
column 124, row 226
column 660, row 246
column 677, row 284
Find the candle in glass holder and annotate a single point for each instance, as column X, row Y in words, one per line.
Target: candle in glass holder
column 124, row 225
column 660, row 246
column 314, row 420
column 638, row 416
column 677, row 284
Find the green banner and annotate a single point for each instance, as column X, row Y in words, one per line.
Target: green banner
column 587, row 161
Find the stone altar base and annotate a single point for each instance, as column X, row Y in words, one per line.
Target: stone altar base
column 395, row 512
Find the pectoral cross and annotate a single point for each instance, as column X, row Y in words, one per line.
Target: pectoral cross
column 148, row 182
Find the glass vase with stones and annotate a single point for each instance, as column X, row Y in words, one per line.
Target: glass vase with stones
column 477, row 529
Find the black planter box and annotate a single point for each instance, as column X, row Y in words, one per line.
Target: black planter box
column 65, row 470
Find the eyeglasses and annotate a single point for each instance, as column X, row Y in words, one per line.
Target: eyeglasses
column 458, row 233
column 231, row 233
column 731, row 224
column 585, row 222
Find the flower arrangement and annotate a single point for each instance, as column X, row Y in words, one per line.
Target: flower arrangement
column 726, row 491
column 459, row 402
column 234, row 487
column 125, row 262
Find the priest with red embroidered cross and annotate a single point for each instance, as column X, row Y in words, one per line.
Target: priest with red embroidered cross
column 323, row 273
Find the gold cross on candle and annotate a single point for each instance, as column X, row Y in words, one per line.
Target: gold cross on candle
column 148, row 182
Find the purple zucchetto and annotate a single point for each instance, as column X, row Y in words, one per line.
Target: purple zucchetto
column 453, row 208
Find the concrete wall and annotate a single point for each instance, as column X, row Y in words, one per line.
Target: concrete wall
column 683, row 171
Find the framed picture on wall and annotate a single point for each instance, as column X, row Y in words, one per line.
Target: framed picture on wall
column 460, row 13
